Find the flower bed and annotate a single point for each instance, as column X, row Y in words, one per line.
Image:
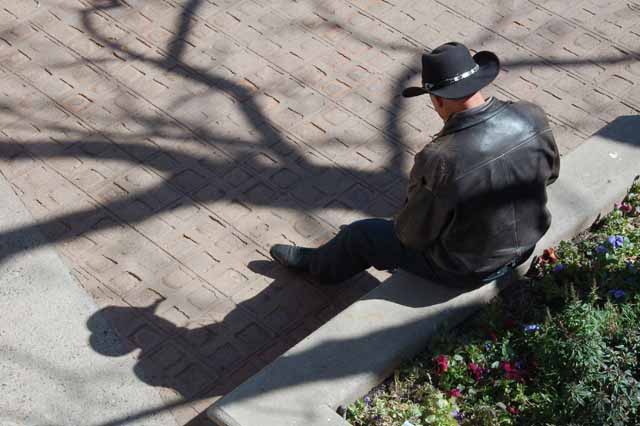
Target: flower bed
column 562, row 348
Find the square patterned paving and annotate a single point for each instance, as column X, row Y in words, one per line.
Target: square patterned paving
column 164, row 145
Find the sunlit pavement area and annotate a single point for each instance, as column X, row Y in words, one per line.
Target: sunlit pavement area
column 163, row 146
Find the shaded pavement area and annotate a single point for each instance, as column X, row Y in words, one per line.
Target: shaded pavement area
column 164, row 145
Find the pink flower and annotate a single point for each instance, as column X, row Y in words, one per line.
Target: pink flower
column 626, row 208
column 512, row 410
column 509, row 323
column 476, row 370
column 510, row 371
column 549, row 256
column 443, row 363
column 455, row 393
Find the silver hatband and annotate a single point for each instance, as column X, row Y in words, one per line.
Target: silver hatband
column 451, row 80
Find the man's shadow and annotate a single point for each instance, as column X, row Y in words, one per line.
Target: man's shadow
column 159, row 366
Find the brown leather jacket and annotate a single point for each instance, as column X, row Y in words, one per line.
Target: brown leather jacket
column 477, row 193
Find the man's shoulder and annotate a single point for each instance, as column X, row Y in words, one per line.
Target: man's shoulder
column 437, row 151
column 528, row 111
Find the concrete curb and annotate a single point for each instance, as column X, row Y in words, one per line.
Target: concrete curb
column 50, row 374
column 358, row 348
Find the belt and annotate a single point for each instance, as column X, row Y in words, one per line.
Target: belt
column 506, row 269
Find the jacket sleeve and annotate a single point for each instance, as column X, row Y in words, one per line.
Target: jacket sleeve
column 550, row 147
column 555, row 160
column 428, row 206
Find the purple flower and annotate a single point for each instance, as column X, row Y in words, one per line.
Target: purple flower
column 367, row 400
column 600, row 249
column 531, row 328
column 617, row 294
column 519, row 365
column 458, row 416
column 559, row 267
column 616, row 241
column 631, row 267
column 488, row 346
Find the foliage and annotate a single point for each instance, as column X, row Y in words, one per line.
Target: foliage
column 560, row 349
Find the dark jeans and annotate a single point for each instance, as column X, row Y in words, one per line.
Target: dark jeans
column 373, row 242
column 366, row 243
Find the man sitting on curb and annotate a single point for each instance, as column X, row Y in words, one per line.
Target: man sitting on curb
column 476, row 201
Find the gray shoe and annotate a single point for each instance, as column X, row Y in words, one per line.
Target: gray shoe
column 292, row 257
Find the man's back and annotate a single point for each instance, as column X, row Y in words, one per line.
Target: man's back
column 486, row 173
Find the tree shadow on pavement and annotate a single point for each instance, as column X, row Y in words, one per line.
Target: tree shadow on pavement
column 95, row 145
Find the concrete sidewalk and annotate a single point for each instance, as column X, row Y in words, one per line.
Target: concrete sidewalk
column 50, row 374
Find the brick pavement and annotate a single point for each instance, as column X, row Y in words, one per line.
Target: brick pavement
column 164, row 145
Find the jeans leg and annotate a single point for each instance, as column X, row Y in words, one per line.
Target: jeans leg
column 362, row 244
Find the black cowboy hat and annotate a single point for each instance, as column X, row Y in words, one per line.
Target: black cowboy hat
column 449, row 71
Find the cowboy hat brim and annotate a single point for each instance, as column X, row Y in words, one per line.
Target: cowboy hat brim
column 489, row 69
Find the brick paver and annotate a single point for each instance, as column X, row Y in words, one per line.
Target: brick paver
column 165, row 145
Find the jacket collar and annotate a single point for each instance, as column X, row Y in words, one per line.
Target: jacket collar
column 471, row 117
